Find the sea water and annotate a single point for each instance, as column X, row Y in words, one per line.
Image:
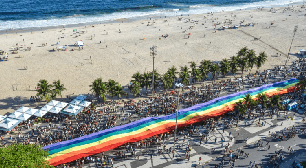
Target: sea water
column 25, row 14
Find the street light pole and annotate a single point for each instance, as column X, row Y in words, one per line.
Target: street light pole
column 153, row 52
column 178, row 107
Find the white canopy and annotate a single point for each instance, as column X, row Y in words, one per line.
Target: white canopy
column 46, row 108
column 24, row 116
column 15, row 114
column 31, row 111
column 81, row 97
column 61, row 105
column 40, row 113
column 22, row 109
column 75, row 102
column 85, row 103
column 72, row 109
column 8, row 124
column 55, row 110
column 79, row 43
column 2, row 117
column 53, row 103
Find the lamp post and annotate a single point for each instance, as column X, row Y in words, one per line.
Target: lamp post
column 178, row 85
column 153, row 52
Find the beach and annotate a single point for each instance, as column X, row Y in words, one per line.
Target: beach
column 120, row 49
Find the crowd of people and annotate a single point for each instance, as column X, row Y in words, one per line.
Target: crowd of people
column 60, row 127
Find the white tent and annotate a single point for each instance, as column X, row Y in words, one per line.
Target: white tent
column 61, row 105
column 79, row 43
column 2, row 117
column 46, row 108
column 15, row 114
column 31, row 111
column 8, row 124
column 22, row 109
column 53, row 103
column 71, row 109
column 55, row 110
column 24, row 116
column 40, row 113
column 85, row 103
column 81, row 97
column 75, row 102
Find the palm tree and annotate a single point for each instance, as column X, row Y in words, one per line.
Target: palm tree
column 275, row 102
column 119, row 91
column 156, row 77
column 135, row 88
column 184, row 75
column 261, row 59
column 172, row 73
column 248, row 101
column 233, row 64
column 197, row 75
column 111, row 87
column 224, row 67
column 243, row 52
column 204, row 68
column 193, row 69
column 241, row 107
column 242, row 63
column 58, row 87
column 146, row 80
column 167, row 81
column 251, row 58
column 214, row 69
column 99, row 88
column 137, row 77
column 302, row 84
column 262, row 99
column 43, row 88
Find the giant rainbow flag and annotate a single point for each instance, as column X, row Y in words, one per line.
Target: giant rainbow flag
column 67, row 151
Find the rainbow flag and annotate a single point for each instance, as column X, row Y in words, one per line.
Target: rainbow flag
column 67, row 151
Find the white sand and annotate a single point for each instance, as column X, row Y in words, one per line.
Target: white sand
column 127, row 52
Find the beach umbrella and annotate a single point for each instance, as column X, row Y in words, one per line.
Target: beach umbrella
column 8, row 124
column 24, row 116
column 75, row 102
column 46, row 108
column 22, row 109
column 40, row 113
column 15, row 114
column 61, row 105
column 53, row 103
column 85, row 103
column 31, row 111
column 81, row 97
column 55, row 110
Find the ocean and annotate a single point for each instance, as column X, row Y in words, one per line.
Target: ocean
column 26, row 14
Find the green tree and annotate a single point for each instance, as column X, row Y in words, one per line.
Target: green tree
column 172, row 72
column 119, row 91
column 58, row 87
column 156, row 77
column 233, row 64
column 193, row 69
column 214, row 69
column 251, row 58
column 261, row 59
column 242, row 63
column 302, row 84
column 146, row 80
column 197, row 75
column 99, row 88
column 135, row 88
column 224, row 67
column 262, row 99
column 137, row 77
column 44, row 88
column 184, row 75
column 167, row 81
column 111, row 87
column 240, row 107
column 275, row 102
column 205, row 68
column 18, row 155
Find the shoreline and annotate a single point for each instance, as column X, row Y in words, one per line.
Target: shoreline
column 132, row 19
